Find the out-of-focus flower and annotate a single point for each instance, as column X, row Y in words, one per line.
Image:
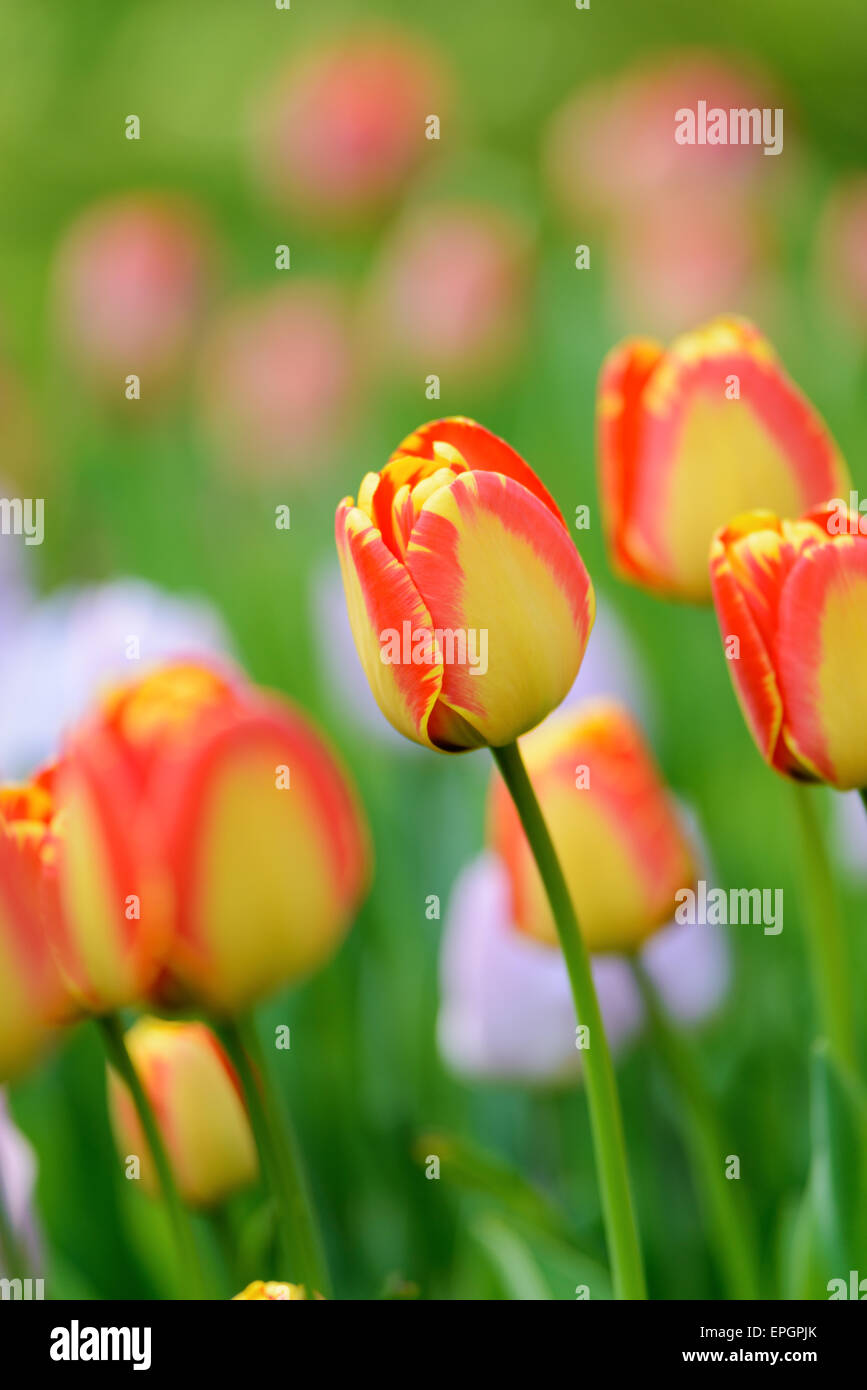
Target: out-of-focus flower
column 705, row 251
column 614, row 825
column 341, row 132
column 15, row 587
column 469, row 604
column 276, row 380
column 843, row 250
column 59, row 654
column 449, row 296
column 791, row 601
column 30, row 997
column 507, row 1011
column 260, row 1291
column 17, row 1183
column 691, row 436
column 260, row 851
column 197, row 1099
column 611, row 148
column 132, row 282
column 849, row 839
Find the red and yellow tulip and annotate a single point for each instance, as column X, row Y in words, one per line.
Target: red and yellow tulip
column 613, row 823
column 695, row 434
column 196, row 1097
column 791, row 600
column 261, row 1291
column 457, row 535
column 30, row 990
column 240, row 824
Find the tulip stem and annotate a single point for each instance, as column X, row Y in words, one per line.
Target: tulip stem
column 735, row 1239
column 824, row 933
column 112, row 1032
column 606, row 1123
column 280, row 1156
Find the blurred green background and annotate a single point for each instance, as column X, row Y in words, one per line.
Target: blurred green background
column 136, row 493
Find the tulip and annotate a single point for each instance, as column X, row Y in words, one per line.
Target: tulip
column 195, row 1094
column 614, row 826
column 132, row 284
column 693, row 435
column 277, row 379
column 342, row 131
column 458, row 273
column 242, row 822
column 791, row 594
column 260, row 1291
column 469, row 604
column 30, row 993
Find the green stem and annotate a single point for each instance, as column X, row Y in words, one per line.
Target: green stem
column 824, row 934
column 605, row 1120
column 734, row 1237
column 112, row 1032
column 280, row 1156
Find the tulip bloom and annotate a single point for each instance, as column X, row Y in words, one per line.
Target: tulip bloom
column 614, row 827
column 247, row 835
column 469, row 604
column 30, row 994
column 260, row 1291
column 196, row 1096
column 692, row 436
column 794, row 596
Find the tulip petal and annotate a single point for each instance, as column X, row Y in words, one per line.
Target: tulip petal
column 622, row 380
column 719, row 430
column 481, row 451
column 381, row 598
column 496, row 565
column 260, row 829
column 822, row 656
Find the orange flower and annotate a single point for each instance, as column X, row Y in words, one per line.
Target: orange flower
column 196, row 1096
column 791, row 600
column 690, row 437
column 259, row 1291
column 246, row 832
column 614, row 827
column 469, row 603
column 30, row 990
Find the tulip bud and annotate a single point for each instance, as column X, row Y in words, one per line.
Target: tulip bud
column 30, row 992
column 252, row 829
column 469, row 604
column 259, row 1291
column 791, row 598
column 197, row 1099
column 692, row 436
column 613, row 824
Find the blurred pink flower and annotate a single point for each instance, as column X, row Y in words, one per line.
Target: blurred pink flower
column 610, row 150
column 341, row 131
column 132, row 278
column 450, row 292
column 843, row 251
column 689, row 257
column 276, row 379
